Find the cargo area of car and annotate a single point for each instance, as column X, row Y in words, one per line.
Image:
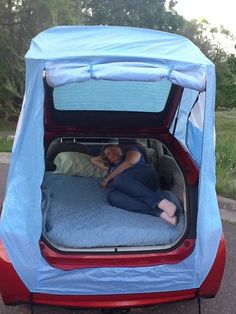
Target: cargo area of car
column 82, row 118
column 78, row 218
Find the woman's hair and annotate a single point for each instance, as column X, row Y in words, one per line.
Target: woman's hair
column 103, row 155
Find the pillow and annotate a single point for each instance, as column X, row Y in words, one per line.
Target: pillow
column 77, row 164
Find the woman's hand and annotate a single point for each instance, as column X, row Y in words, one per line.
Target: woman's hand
column 104, row 183
column 131, row 159
column 99, row 162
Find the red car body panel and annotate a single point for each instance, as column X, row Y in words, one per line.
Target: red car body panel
column 211, row 284
column 14, row 291
column 84, row 260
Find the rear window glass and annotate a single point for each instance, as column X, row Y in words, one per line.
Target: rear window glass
column 112, row 96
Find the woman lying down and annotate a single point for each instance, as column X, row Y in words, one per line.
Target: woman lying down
column 134, row 184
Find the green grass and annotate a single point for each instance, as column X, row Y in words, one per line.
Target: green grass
column 6, row 128
column 226, row 153
column 5, row 145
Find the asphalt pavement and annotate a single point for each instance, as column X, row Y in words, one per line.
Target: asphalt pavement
column 223, row 303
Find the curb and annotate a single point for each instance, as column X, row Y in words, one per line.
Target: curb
column 5, row 158
column 6, row 136
column 227, row 209
column 227, row 215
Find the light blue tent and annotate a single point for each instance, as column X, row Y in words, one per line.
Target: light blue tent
column 75, row 54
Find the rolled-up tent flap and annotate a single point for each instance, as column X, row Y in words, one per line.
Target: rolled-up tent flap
column 58, row 74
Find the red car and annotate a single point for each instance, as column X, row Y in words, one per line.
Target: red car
column 62, row 242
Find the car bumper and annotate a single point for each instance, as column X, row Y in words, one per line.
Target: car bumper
column 18, row 292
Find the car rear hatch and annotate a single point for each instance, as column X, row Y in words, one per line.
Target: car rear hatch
column 97, row 111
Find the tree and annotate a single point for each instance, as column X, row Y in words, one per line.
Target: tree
column 210, row 40
column 20, row 20
column 226, row 83
column 11, row 75
column 139, row 13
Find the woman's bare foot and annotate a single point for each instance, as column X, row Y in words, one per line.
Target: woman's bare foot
column 168, row 207
column 171, row 220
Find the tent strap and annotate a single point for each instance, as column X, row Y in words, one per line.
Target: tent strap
column 199, row 302
column 31, row 303
column 196, row 100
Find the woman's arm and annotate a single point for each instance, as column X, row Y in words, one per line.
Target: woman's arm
column 131, row 159
column 99, row 162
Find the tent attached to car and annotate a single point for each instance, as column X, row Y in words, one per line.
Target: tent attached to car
column 78, row 54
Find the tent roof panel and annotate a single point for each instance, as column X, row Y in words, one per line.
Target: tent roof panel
column 113, row 42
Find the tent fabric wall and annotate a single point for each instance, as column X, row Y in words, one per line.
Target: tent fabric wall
column 195, row 128
column 21, row 220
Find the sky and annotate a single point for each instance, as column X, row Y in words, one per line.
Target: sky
column 216, row 12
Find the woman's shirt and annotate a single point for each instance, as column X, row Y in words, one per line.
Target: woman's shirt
column 141, row 161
